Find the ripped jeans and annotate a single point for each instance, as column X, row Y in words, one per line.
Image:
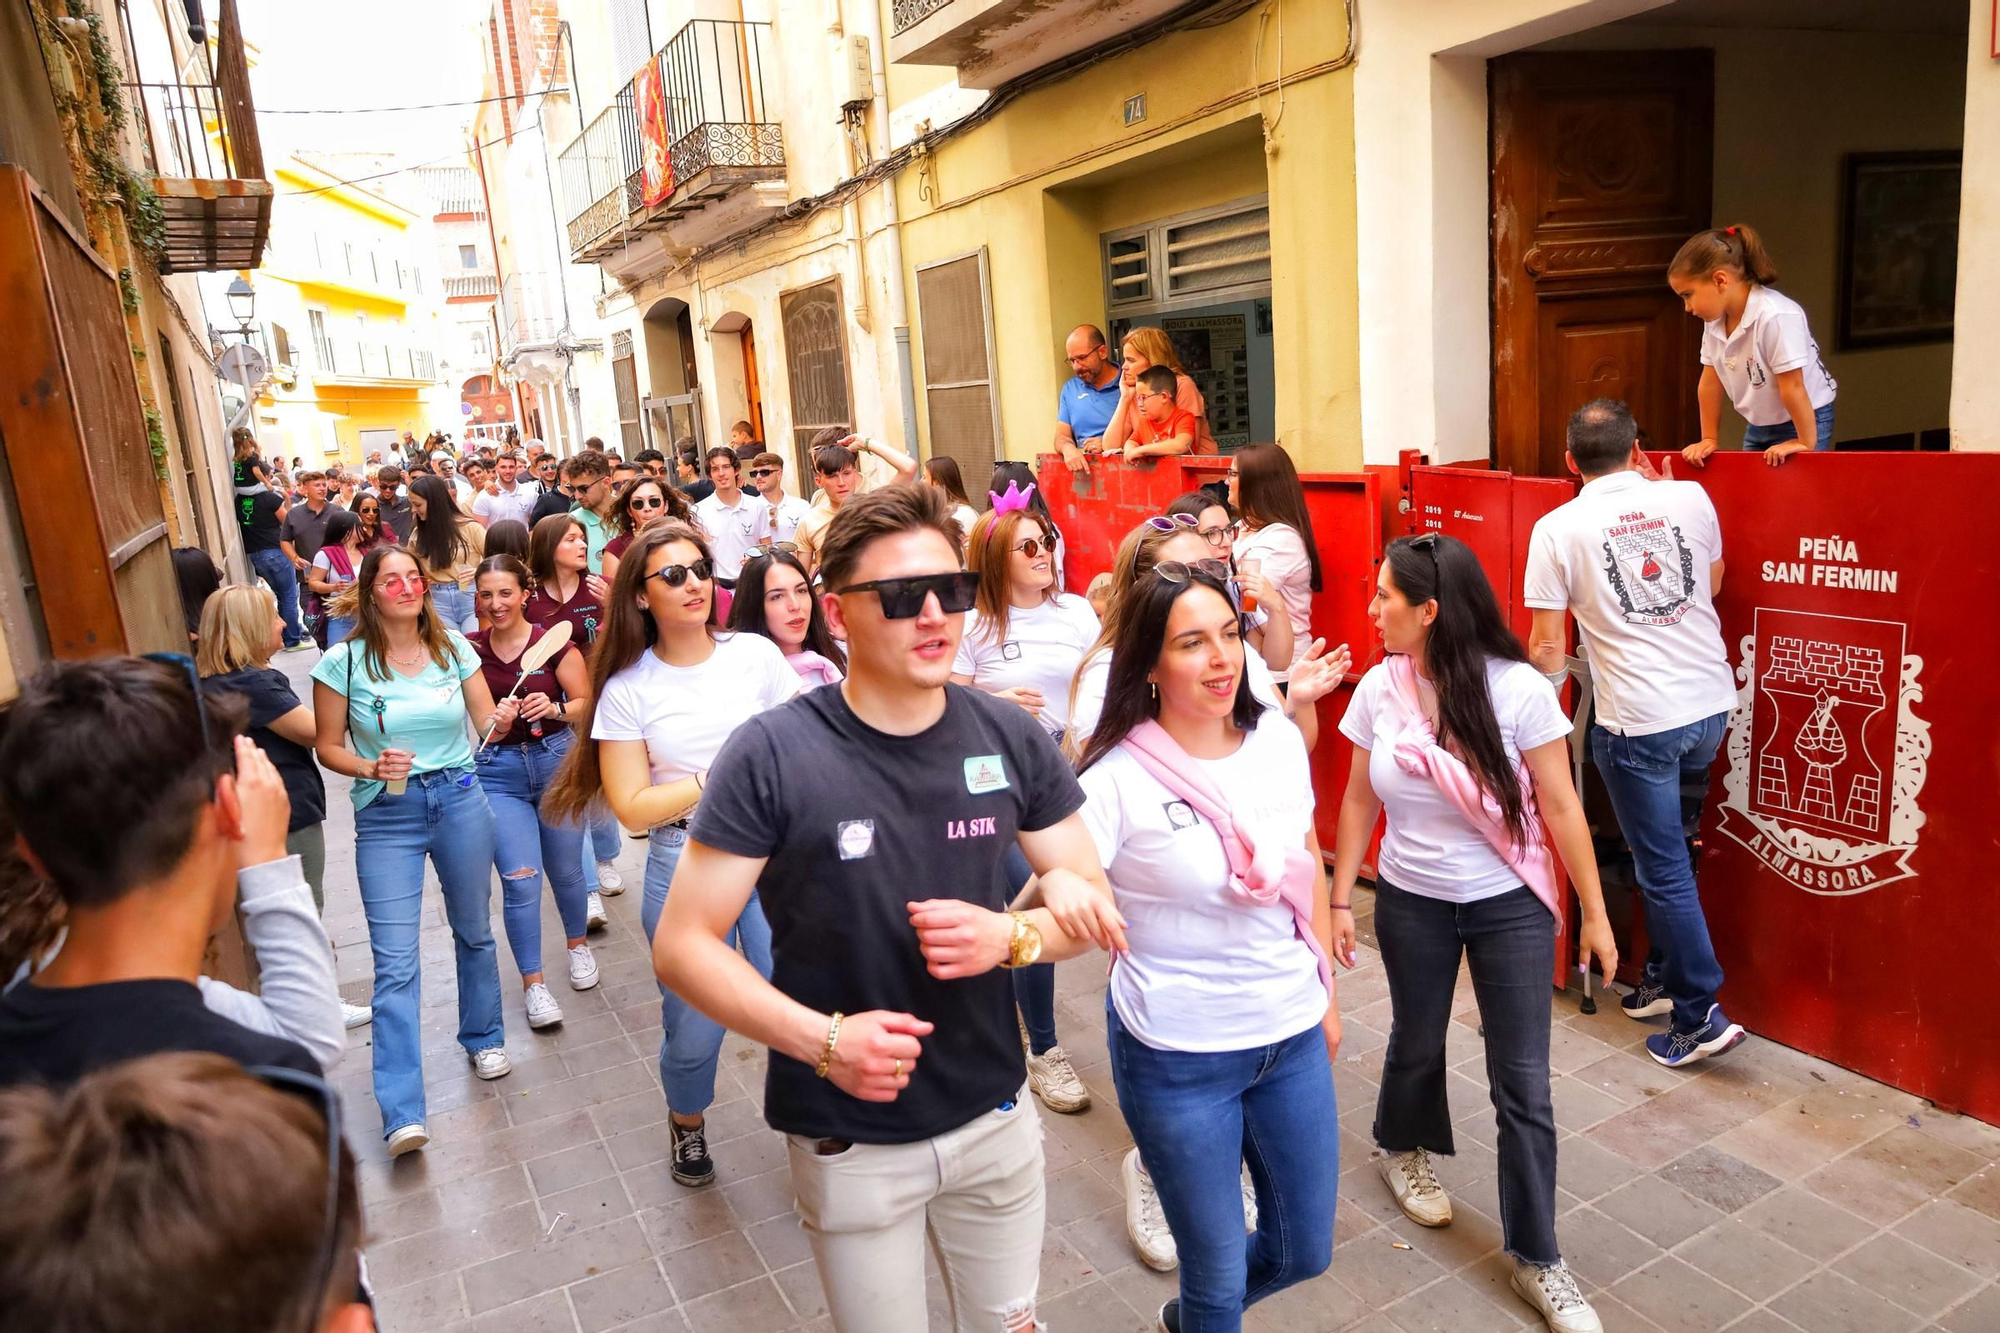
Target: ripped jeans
column 975, row 1192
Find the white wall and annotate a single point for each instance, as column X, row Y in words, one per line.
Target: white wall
column 1975, row 389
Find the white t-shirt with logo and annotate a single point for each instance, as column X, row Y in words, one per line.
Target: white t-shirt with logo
column 1044, row 646
column 684, row 714
column 732, row 529
column 1430, row 848
column 1629, row 559
column 1772, row 337
column 1206, row 971
column 781, row 520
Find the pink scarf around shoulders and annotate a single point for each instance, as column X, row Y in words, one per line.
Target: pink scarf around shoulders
column 1418, row 754
column 1262, row 871
column 814, row 669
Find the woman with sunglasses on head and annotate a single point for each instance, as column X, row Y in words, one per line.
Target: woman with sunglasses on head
column 448, row 545
column 643, row 499
column 1221, row 1018
column 391, row 705
column 565, row 589
column 1459, row 739
column 1023, row 642
column 516, row 765
column 669, row 690
column 942, row 472
column 774, row 598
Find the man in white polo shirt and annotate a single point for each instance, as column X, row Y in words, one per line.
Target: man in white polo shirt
column 506, row 495
column 733, row 519
column 1638, row 562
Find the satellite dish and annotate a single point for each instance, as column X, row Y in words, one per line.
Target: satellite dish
column 244, row 364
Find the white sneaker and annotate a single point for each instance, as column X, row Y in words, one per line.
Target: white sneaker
column 1554, row 1294
column 1416, row 1188
column 356, row 1015
column 408, row 1139
column 543, row 1011
column 609, row 882
column 1055, row 1082
column 1249, row 1203
column 582, row 968
column 492, row 1062
column 1144, row 1222
column 593, row 913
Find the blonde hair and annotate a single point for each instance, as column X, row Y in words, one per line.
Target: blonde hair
column 1154, row 344
column 236, row 629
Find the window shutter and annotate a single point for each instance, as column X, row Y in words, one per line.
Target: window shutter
column 956, row 317
column 1200, row 258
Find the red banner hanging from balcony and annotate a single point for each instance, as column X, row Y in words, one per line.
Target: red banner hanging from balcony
column 658, row 168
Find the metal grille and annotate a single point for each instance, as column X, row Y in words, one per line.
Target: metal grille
column 956, row 321
column 1197, row 258
column 908, row 14
column 815, row 364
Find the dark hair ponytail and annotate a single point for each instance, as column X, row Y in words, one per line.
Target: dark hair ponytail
column 1738, row 247
column 1467, row 634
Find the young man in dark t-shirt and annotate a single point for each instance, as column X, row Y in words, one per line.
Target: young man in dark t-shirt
column 263, row 517
column 895, row 1066
column 126, row 745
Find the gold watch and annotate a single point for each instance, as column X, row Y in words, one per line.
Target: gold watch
column 1026, row 946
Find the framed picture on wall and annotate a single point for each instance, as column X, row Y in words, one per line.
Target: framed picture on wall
column 1898, row 249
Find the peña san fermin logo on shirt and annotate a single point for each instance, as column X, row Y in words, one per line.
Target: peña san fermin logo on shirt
column 1826, row 753
column 1650, row 568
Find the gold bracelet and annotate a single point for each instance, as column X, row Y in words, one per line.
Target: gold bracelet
column 832, row 1040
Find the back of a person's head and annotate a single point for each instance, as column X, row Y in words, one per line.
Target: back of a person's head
column 236, row 626
column 1601, row 436
column 174, row 1192
column 875, row 514
column 112, row 743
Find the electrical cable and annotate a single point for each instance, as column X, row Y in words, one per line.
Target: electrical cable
column 428, row 162
column 422, row 106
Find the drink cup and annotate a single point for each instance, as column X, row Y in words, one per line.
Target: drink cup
column 1250, row 565
column 397, row 786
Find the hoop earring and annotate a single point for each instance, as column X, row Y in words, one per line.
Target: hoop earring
column 1154, row 687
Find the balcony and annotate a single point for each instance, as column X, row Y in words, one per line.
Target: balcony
column 470, row 286
column 199, row 141
column 356, row 361
column 723, row 140
column 991, row 42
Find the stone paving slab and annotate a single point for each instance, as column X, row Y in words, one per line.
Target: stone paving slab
column 1767, row 1192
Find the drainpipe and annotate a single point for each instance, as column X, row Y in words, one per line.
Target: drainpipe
column 892, row 229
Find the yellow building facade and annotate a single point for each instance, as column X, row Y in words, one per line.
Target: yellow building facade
column 349, row 308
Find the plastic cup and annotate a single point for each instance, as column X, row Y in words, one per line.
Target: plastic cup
column 1249, row 565
column 397, row 786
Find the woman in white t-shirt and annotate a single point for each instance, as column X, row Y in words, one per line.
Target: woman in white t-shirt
column 669, row 690
column 1220, row 1018
column 1462, row 743
column 1024, row 639
column 1756, row 347
column 1277, row 536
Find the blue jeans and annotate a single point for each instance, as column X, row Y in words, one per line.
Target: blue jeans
column 338, row 628
column 600, row 844
column 691, row 1041
column 1034, row 985
column 1188, row 1112
column 443, row 815
column 525, row 845
column 1657, row 785
column 1763, row 437
column 454, row 606
column 1510, row 943
column 274, row 569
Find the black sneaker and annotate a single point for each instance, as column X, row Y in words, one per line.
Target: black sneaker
column 692, row 1164
column 1170, row 1316
column 1648, row 999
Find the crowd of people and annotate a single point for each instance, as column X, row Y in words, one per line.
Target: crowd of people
column 889, row 770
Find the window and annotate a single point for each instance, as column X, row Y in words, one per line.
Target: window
column 956, row 316
column 374, row 266
column 468, row 256
column 322, row 349
column 1199, row 258
column 283, row 341
column 482, row 346
column 347, row 254
column 625, row 383
column 816, row 365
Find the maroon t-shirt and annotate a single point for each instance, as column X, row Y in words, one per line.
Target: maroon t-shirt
column 500, row 678
column 615, row 548
column 584, row 612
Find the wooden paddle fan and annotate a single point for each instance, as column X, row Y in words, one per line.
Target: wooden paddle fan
column 553, row 641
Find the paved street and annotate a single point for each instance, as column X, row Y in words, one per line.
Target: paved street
column 1766, row 1193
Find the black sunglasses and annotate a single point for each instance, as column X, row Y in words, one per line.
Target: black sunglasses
column 763, row 472
column 646, row 502
column 300, row 1084
column 1427, row 541
column 903, row 599
column 675, row 575
column 763, row 552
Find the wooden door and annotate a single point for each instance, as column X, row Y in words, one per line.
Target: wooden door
column 1601, row 169
column 753, row 396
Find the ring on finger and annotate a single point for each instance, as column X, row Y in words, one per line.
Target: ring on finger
column 899, row 1069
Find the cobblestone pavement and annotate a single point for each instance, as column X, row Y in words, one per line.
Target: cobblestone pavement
column 1763, row 1193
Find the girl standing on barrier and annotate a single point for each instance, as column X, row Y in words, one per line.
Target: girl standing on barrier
column 1459, row 739
column 1756, row 347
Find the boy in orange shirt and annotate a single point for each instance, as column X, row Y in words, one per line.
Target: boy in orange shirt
column 1164, row 428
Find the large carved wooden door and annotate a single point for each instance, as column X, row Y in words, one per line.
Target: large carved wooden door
column 1601, row 168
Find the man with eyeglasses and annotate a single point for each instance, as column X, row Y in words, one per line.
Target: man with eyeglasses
column 1087, row 400
column 895, row 1066
column 786, row 512
column 732, row 518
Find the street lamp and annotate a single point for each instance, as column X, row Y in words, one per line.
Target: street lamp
column 242, row 303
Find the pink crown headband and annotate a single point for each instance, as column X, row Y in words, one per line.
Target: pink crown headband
column 1015, row 498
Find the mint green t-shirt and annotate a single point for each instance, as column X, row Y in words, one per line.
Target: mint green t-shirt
column 426, row 710
column 597, row 533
